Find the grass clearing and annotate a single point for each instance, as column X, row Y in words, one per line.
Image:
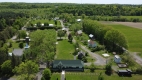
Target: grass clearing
column 92, row 76
column 65, row 50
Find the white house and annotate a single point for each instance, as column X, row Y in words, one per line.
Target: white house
column 117, row 59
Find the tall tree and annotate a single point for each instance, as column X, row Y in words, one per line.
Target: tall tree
column 6, row 67
column 46, row 74
column 26, row 70
column 61, row 33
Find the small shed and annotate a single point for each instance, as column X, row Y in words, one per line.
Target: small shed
column 51, row 25
column 126, row 72
column 78, row 20
column 79, row 32
column 42, row 24
column 117, row 59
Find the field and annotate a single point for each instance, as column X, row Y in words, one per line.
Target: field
column 129, row 24
column 92, row 76
column 133, row 35
column 65, row 50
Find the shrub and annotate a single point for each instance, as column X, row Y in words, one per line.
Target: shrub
column 21, row 45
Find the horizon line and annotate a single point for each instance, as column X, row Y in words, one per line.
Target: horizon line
column 71, row 3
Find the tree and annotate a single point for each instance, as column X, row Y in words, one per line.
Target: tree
column 6, row 67
column 108, row 68
column 56, row 22
column 100, row 77
column 115, row 39
column 46, row 74
column 70, row 37
column 92, row 67
column 46, row 24
column 22, row 34
column 61, row 33
column 27, row 70
column 21, row 45
column 13, row 61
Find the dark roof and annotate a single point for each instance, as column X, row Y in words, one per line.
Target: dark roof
column 72, row 63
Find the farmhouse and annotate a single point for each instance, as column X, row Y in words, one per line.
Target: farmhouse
column 67, row 65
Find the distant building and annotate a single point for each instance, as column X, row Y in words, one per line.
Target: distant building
column 79, row 32
column 42, row 24
column 67, row 65
column 78, row 20
column 92, row 43
column 51, row 25
column 117, row 59
column 18, row 52
column 126, row 72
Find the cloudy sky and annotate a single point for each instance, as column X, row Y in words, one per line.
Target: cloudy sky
column 80, row 1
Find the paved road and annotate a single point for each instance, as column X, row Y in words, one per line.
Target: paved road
column 137, row 58
column 99, row 60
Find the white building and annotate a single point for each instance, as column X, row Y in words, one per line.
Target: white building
column 117, row 59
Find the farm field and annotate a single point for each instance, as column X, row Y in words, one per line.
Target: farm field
column 133, row 36
column 65, row 50
column 129, row 24
column 92, row 76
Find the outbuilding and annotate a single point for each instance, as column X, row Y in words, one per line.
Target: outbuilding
column 117, row 59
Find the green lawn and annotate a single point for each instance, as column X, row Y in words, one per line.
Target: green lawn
column 65, row 50
column 133, row 35
column 92, row 76
column 15, row 45
column 46, row 20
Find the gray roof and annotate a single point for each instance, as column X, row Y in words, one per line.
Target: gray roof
column 18, row 52
column 79, row 31
column 69, row 63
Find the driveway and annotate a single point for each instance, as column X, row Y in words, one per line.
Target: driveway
column 137, row 58
column 99, row 60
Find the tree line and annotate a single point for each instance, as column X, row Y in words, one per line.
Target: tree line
column 106, row 35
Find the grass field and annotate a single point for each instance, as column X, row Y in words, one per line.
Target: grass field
column 133, row 35
column 92, row 76
column 65, row 50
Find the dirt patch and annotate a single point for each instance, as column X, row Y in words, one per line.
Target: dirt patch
column 130, row 24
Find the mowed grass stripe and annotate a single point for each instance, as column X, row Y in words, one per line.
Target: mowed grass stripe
column 65, row 50
column 133, row 35
column 94, row 77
